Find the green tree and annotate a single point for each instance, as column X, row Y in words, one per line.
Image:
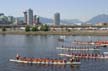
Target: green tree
column 44, row 28
column 27, row 28
column 35, row 28
column 41, row 28
column 3, row 29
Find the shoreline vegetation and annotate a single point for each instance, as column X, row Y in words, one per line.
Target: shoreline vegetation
column 46, row 30
column 73, row 33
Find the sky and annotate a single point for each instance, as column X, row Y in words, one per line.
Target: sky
column 68, row 9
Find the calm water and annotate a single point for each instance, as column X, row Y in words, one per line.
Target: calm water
column 44, row 46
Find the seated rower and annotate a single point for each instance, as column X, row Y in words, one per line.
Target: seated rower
column 64, row 61
column 17, row 57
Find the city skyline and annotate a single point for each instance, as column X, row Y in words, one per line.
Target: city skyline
column 69, row 9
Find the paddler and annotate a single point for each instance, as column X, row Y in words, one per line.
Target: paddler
column 17, row 56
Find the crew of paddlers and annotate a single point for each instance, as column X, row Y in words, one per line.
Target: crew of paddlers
column 44, row 59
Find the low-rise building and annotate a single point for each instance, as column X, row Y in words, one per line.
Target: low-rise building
column 101, row 24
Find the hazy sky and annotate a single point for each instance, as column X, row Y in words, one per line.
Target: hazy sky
column 69, row 9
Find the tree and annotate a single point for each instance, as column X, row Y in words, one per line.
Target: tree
column 41, row 28
column 27, row 28
column 44, row 28
column 35, row 28
column 3, row 29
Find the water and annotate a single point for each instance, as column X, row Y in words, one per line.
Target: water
column 43, row 46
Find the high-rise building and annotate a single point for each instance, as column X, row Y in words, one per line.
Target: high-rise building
column 34, row 20
column 30, row 17
column 3, row 19
column 25, row 17
column 1, row 14
column 57, row 18
column 16, row 21
column 38, row 20
column 10, row 19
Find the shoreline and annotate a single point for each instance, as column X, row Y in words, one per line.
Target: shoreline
column 73, row 33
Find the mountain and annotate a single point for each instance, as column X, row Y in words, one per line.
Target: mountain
column 99, row 18
column 72, row 21
column 50, row 21
column 65, row 21
column 46, row 20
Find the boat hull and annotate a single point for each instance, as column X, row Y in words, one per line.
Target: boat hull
column 53, row 63
column 91, row 57
column 77, row 49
